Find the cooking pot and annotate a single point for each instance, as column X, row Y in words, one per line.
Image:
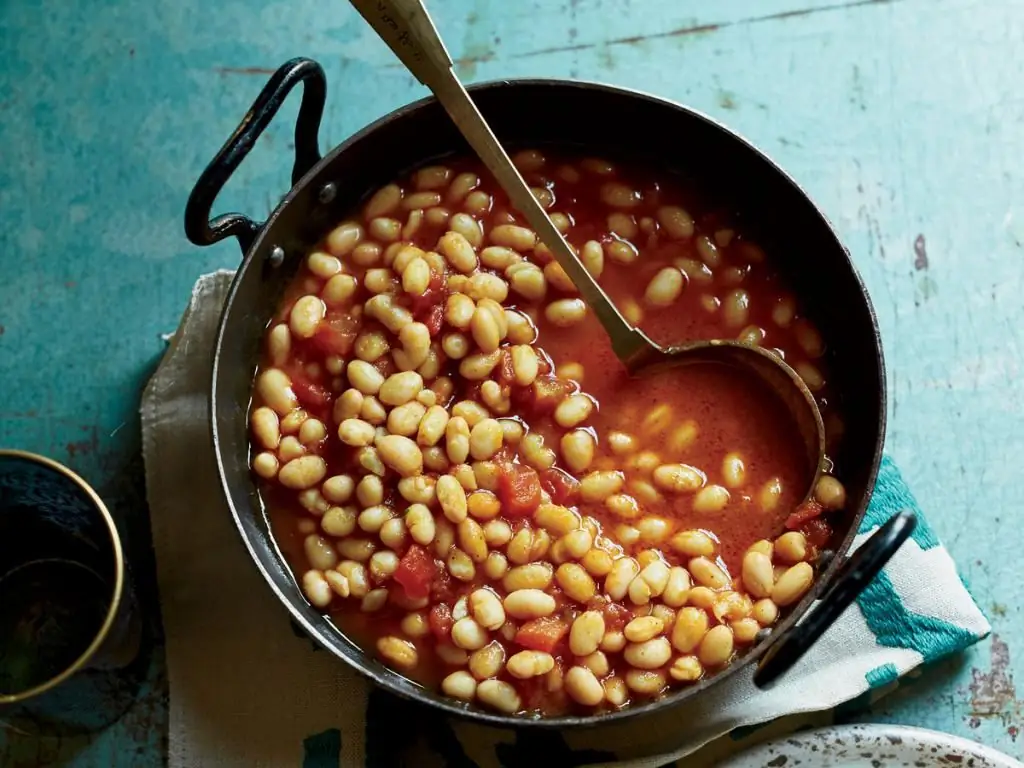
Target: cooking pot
column 602, row 120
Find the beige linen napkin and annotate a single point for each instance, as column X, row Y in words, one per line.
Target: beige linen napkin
column 248, row 689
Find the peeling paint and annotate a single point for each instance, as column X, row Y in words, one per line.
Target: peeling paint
column 993, row 692
column 920, row 254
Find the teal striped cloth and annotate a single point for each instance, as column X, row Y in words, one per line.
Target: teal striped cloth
column 247, row 689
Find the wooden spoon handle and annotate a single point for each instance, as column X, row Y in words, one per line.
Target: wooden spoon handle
column 408, row 30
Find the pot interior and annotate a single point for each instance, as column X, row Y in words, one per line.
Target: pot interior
column 578, row 118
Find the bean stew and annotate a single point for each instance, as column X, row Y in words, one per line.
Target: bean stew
column 461, row 474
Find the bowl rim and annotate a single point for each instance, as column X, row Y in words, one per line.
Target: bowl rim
column 364, row 662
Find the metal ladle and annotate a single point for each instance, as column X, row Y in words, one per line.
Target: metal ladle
column 407, row 29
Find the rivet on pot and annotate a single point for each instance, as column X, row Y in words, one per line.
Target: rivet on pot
column 762, row 634
column 276, row 257
column 825, row 558
column 327, row 192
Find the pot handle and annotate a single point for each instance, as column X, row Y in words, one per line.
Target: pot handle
column 850, row 580
column 199, row 227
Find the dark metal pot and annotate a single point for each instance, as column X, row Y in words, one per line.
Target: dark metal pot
column 603, row 120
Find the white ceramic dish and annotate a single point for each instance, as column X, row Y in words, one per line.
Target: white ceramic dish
column 870, row 746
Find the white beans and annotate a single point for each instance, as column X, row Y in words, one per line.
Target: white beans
column 529, row 604
column 452, row 498
column 485, row 439
column 499, row 695
column 578, row 448
column 266, row 427
column 527, row 664
column 468, row 635
column 710, row 499
column 583, row 686
column 400, row 388
column 459, row 685
column 316, row 588
column 565, row 313
column 573, row 410
column 275, row 387
column 364, row 377
column 677, row 223
column 665, row 287
column 515, row 237
column 303, row 472
column 678, row 478
column 586, row 633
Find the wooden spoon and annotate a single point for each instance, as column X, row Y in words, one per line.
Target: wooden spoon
column 407, row 29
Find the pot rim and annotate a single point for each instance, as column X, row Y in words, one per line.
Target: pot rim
column 451, row 706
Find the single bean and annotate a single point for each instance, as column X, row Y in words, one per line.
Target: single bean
column 686, row 669
column 791, row 547
column 765, row 612
column 598, row 486
column 645, row 682
column 710, row 499
column 665, row 288
column 530, row 576
column 690, row 628
column 452, row 498
column 583, row 687
column 578, row 447
column 499, row 695
column 265, row 465
column 586, row 633
column 828, row 492
column 303, row 472
column 275, row 387
column 421, row 524
column 343, row 238
column 622, row 573
column 459, row 685
column 575, row 582
column 526, row 664
column 418, row 490
column 529, row 604
column 316, row 588
column 266, row 427
column 677, row 223
column 792, row 584
column 565, row 313
column 758, row 577
column 716, row 647
column 486, row 609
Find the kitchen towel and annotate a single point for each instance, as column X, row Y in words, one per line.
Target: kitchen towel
column 248, row 688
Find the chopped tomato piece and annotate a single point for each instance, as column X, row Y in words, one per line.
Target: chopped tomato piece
column 336, row 334
column 562, row 487
column 818, row 532
column 434, row 295
column 310, row 395
column 505, row 371
column 442, row 589
column 808, row 510
column 544, row 364
column 616, row 616
column 416, row 571
column 542, row 634
column 548, row 392
column 434, row 318
column 519, row 490
column 441, row 621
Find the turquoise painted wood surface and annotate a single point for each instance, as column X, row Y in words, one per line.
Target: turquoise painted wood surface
column 901, row 118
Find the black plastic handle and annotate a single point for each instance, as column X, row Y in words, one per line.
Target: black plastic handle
column 850, row 580
column 199, row 227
